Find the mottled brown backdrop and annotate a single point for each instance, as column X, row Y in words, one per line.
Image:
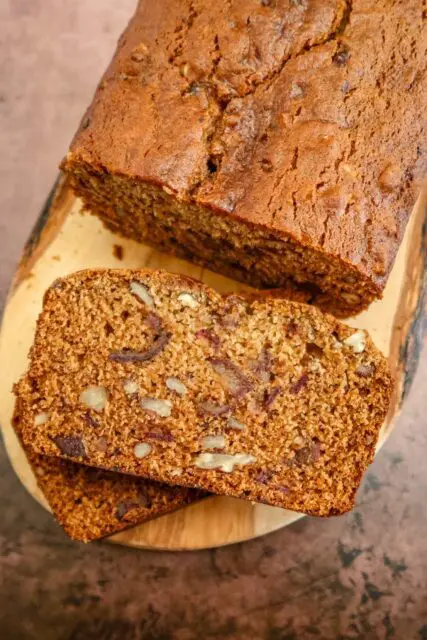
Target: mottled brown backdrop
column 363, row 575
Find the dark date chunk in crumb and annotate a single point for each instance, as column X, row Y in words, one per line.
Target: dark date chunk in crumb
column 299, row 384
column 118, row 251
column 123, row 508
column 72, row 446
column 270, row 396
column 128, row 355
column 145, row 499
column 342, row 56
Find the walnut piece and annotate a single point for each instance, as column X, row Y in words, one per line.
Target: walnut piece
column 214, row 442
column 235, row 424
column 142, row 449
column 357, row 341
column 162, row 408
column 130, row 387
column 41, row 418
column 296, row 91
column 187, row 300
column 176, row 472
column 142, row 292
column 336, row 344
column 174, row 384
column 223, row 461
column 94, row 397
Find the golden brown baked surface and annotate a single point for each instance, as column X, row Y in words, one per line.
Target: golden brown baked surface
column 92, row 503
column 268, row 138
column 157, row 375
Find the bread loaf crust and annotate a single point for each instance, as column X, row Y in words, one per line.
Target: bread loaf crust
column 291, row 122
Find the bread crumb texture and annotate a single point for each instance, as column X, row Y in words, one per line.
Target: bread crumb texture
column 93, row 503
column 264, row 399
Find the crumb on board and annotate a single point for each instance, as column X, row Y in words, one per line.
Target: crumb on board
column 118, row 251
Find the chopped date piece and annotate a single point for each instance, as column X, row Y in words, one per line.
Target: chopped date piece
column 90, row 420
column 264, row 477
column 153, row 321
column 291, row 329
column 145, row 499
column 235, row 380
column 129, row 355
column 270, row 396
column 302, row 456
column 123, row 509
column 299, row 384
column 158, row 435
column 72, row 446
column 341, row 56
column 210, row 336
column 263, row 364
column 214, row 409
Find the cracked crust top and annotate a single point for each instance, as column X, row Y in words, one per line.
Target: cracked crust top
column 306, row 118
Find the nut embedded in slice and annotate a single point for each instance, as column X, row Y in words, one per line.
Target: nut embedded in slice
column 235, row 424
column 41, row 418
column 94, row 397
column 222, row 461
column 357, row 341
column 270, row 396
column 130, row 387
column 141, row 292
column 174, row 384
column 187, row 300
column 214, row 442
column 129, row 355
column 72, row 446
column 162, row 408
column 142, row 449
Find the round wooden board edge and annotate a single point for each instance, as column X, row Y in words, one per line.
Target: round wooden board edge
column 410, row 312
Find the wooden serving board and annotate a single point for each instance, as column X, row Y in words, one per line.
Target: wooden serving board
column 66, row 240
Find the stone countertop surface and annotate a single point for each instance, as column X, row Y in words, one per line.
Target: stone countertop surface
column 363, row 575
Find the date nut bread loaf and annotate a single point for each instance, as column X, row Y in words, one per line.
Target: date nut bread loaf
column 266, row 139
column 157, row 375
column 91, row 503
